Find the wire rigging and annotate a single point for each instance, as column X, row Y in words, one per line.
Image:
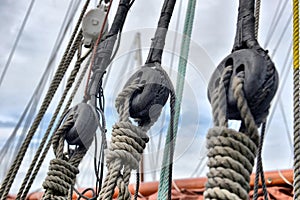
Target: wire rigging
column 275, row 22
column 11, row 54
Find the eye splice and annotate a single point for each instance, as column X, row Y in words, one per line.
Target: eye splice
column 250, row 60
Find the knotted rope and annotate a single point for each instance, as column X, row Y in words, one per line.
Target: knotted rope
column 127, row 145
column 231, row 154
column 64, row 168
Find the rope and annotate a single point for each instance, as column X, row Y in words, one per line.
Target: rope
column 40, row 162
column 296, row 99
column 63, row 169
column 256, row 14
column 69, row 84
column 42, row 158
column 259, row 168
column 35, row 98
column 155, row 158
column 127, row 145
column 231, row 154
column 66, row 59
column 165, row 184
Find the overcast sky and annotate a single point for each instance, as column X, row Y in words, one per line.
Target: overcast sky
column 212, row 40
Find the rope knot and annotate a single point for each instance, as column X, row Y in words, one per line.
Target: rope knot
column 128, row 143
column 60, row 176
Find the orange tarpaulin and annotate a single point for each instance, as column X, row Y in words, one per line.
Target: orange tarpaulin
column 278, row 183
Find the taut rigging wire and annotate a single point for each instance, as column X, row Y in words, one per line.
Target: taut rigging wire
column 11, row 54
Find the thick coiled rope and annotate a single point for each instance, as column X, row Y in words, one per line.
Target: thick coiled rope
column 64, row 168
column 127, row 145
column 231, row 154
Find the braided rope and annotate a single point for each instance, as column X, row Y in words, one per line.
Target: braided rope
column 259, row 168
column 257, row 11
column 63, row 169
column 165, row 183
column 231, row 154
column 67, row 57
column 127, row 145
column 69, row 85
column 43, row 155
column 220, row 99
column 296, row 183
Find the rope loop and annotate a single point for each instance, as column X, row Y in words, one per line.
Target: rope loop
column 60, row 176
column 128, row 143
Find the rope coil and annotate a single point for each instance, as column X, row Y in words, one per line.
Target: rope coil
column 230, row 159
column 231, row 154
column 127, row 145
column 59, row 178
column 63, row 169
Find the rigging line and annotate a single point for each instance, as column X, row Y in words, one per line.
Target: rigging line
column 170, row 74
column 273, row 20
column 257, row 13
column 95, row 48
column 285, row 70
column 46, row 149
column 66, row 59
column 11, row 54
column 275, row 25
column 36, row 93
column 29, row 178
column 184, row 53
column 290, row 140
column 41, row 84
column 63, row 31
column 296, row 94
column 282, row 34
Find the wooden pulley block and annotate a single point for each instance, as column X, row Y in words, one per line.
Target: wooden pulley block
column 148, row 101
column 85, row 125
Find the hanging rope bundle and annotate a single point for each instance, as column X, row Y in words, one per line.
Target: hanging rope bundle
column 128, row 140
column 64, row 168
column 128, row 143
column 142, row 99
column 231, row 154
column 241, row 88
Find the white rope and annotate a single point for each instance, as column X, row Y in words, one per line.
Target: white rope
column 127, row 145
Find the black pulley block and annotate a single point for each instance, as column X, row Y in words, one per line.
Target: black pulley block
column 146, row 103
column 85, row 125
column 260, row 82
